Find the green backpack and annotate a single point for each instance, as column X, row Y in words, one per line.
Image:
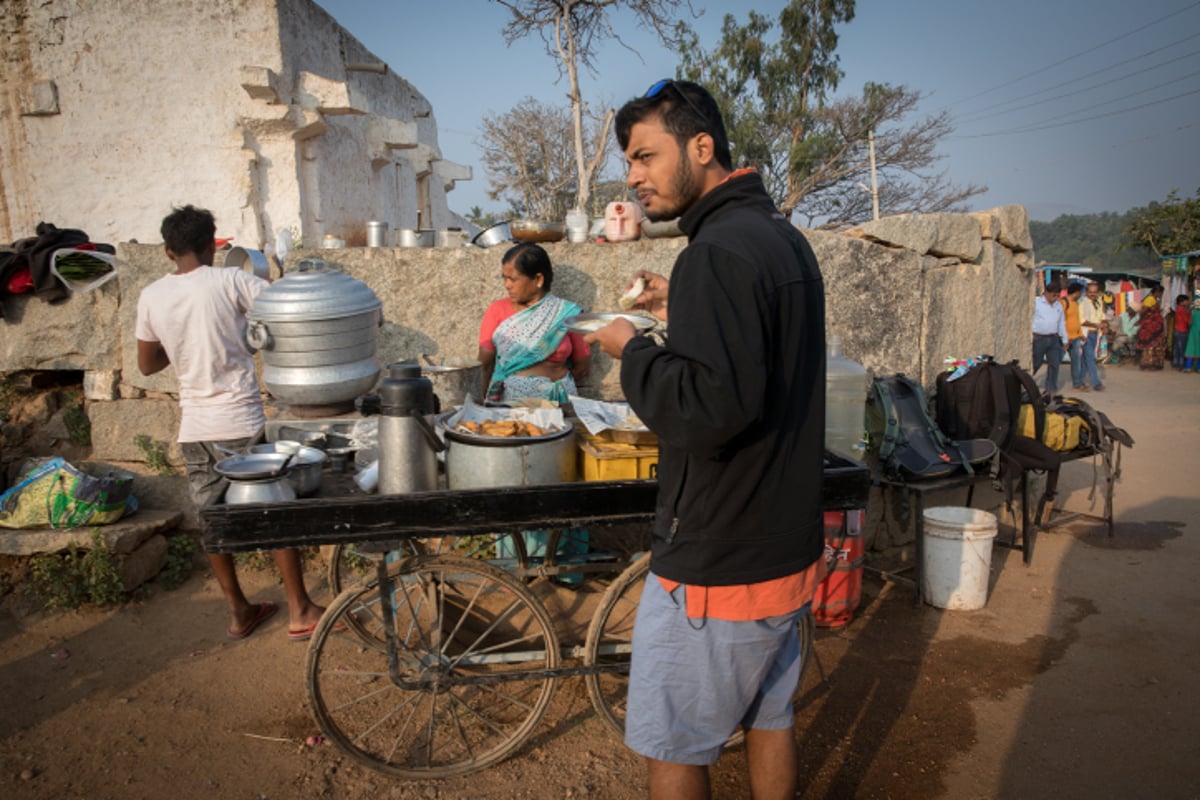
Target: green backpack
column 908, row 443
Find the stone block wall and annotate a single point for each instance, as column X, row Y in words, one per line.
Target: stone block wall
column 903, row 293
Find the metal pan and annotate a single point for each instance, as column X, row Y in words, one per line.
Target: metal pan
column 590, row 323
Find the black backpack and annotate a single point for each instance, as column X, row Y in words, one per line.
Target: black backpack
column 907, row 441
column 986, row 401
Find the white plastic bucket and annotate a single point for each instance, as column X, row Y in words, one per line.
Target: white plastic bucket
column 958, row 557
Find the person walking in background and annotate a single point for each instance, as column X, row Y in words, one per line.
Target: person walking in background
column 1091, row 314
column 1070, row 305
column 1049, row 335
column 195, row 318
column 736, row 396
column 1183, row 324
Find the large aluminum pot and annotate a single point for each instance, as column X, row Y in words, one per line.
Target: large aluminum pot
column 408, row 237
column 256, row 478
column 454, row 379
column 317, row 329
column 479, row 462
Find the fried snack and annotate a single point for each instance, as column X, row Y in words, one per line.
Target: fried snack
column 504, row 427
column 468, row 426
column 630, row 297
column 529, row 429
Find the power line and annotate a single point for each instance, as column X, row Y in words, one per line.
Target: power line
column 1081, row 153
column 1000, row 109
column 1072, row 57
column 1082, row 119
column 1023, row 128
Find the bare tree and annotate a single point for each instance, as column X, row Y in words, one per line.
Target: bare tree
column 573, row 31
column 528, row 158
column 833, row 185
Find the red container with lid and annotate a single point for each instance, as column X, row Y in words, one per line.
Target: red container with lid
column 622, row 221
column 838, row 595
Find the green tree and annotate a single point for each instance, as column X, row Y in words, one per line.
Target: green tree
column 572, row 31
column 1094, row 240
column 1167, row 228
column 814, row 152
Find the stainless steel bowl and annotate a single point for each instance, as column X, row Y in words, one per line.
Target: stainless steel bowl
column 528, row 230
column 494, row 235
column 254, row 261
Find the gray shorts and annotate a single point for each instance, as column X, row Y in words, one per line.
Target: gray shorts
column 204, row 484
column 693, row 681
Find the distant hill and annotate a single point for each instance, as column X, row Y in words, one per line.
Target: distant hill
column 1091, row 240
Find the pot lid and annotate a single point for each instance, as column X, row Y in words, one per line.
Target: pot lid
column 313, row 291
column 253, row 466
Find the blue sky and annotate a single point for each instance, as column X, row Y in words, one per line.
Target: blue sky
column 1063, row 106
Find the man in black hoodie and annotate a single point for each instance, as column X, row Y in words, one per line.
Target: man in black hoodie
column 736, row 396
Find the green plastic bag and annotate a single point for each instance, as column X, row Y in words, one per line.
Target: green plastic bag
column 56, row 494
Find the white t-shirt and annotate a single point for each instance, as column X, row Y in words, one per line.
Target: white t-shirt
column 200, row 320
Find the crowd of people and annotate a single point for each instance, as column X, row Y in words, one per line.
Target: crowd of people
column 1076, row 321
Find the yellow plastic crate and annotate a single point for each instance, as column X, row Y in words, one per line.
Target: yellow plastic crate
column 611, row 461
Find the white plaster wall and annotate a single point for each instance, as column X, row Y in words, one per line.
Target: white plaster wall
column 152, row 112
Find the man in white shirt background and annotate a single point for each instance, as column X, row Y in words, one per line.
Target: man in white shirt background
column 1049, row 335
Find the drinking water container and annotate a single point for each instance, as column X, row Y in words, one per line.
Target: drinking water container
column 845, row 402
column 622, row 221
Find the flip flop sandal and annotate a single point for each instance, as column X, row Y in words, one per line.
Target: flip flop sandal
column 266, row 610
column 304, row 634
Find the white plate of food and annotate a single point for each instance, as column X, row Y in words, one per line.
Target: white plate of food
column 590, row 323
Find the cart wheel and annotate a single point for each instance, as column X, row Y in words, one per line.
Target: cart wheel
column 470, row 646
column 349, row 567
column 610, row 643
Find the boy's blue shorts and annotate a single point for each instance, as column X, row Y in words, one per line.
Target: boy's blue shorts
column 693, row 681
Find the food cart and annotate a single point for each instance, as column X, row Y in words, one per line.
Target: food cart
column 441, row 664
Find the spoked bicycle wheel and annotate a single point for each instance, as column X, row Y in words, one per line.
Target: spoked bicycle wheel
column 470, row 647
column 610, row 644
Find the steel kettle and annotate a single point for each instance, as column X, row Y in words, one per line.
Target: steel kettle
column 408, row 445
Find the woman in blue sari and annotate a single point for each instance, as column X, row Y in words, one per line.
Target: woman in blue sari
column 527, row 352
column 523, row 346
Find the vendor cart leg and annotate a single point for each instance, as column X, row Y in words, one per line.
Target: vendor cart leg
column 455, row 680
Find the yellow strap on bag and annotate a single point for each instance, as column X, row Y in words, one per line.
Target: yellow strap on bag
column 1061, row 432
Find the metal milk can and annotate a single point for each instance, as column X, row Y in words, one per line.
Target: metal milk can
column 408, row 445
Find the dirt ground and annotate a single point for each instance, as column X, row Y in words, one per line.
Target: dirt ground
column 1079, row 679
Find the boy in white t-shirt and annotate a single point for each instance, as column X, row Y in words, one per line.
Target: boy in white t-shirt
column 195, row 318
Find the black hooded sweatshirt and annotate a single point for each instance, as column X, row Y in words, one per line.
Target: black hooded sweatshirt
column 736, row 395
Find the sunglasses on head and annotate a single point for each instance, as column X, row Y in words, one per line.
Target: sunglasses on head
column 657, row 88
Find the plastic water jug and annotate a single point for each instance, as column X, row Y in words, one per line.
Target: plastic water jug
column 622, row 221
column 577, row 225
column 845, row 401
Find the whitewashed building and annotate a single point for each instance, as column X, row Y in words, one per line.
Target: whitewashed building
column 267, row 112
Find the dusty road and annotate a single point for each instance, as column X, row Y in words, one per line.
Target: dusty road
column 1080, row 679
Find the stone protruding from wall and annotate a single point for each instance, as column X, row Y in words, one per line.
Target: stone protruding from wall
column 1014, row 228
column 76, row 334
column 958, row 236
column 915, row 232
